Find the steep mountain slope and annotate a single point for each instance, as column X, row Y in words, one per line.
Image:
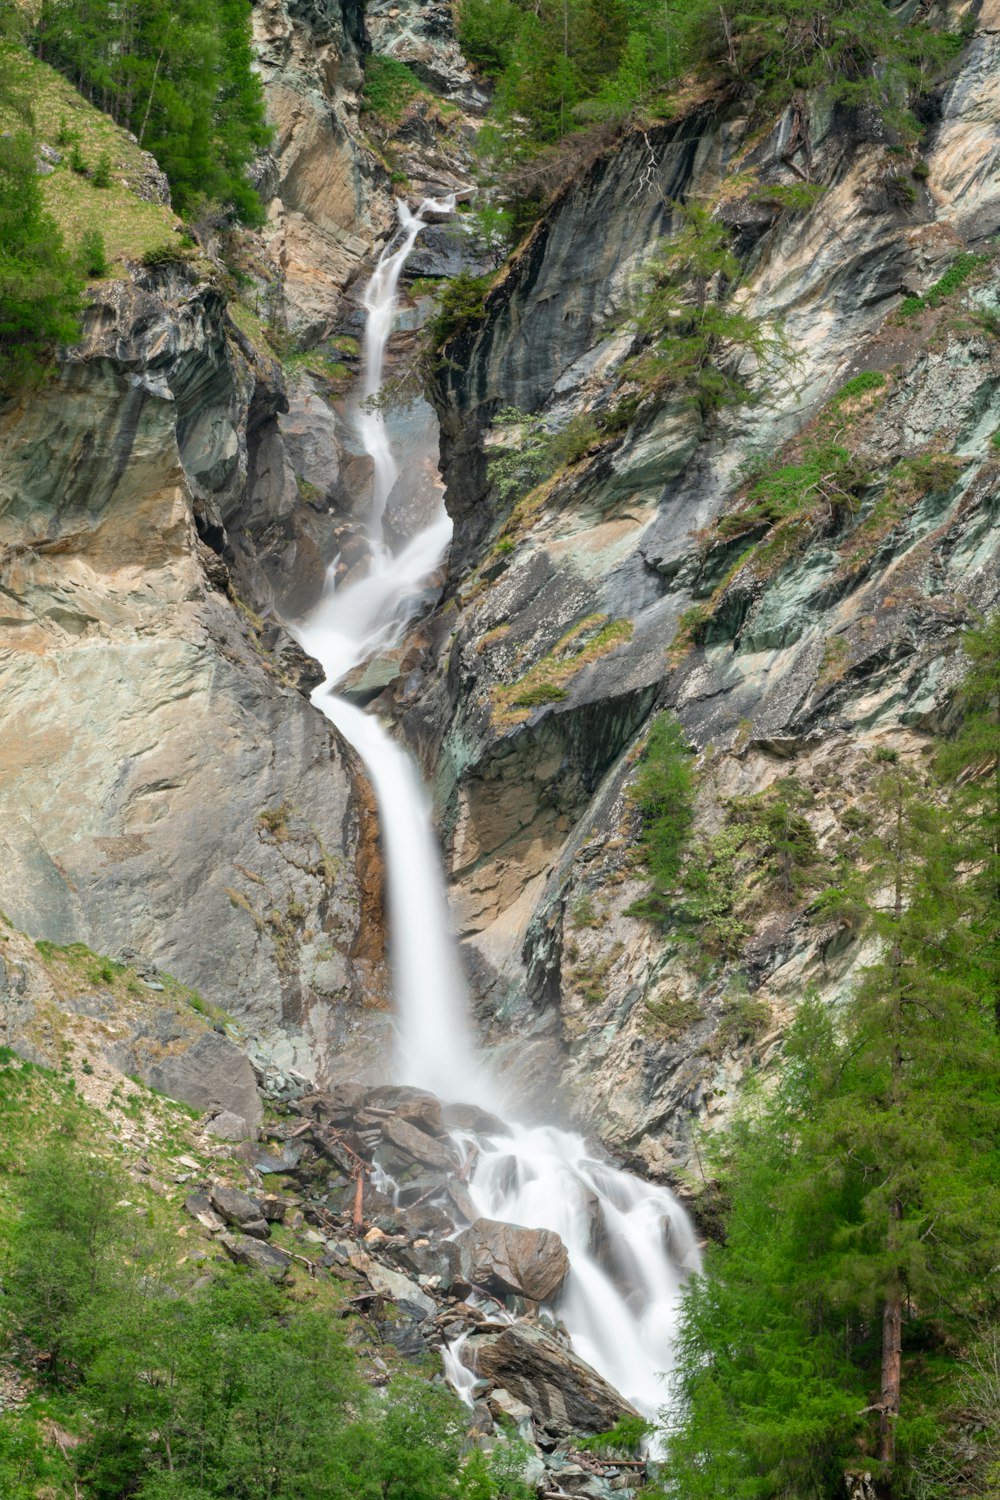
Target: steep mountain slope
column 789, row 639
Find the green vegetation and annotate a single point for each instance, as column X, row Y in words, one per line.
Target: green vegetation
column 957, row 274
column 39, row 284
column 161, row 1378
column 388, row 88
column 708, row 888
column 696, row 334
column 545, row 682
column 178, row 74
column 848, row 1322
column 461, row 302
column 664, row 794
column 562, row 65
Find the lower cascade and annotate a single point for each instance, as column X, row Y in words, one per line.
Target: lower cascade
column 627, row 1244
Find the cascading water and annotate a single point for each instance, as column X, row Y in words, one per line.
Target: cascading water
column 630, row 1244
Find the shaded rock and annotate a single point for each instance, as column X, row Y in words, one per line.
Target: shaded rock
column 563, row 1392
column 472, row 1117
column 508, row 1258
column 443, row 1261
column 462, row 1199
column 255, row 1255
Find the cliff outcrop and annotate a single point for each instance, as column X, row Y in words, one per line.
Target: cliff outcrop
column 645, row 573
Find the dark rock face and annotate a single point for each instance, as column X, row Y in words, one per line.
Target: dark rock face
column 506, row 1258
column 564, row 1394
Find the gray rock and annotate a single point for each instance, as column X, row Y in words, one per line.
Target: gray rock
column 211, row 1072
column 531, row 1263
column 226, row 1126
column 255, row 1255
column 199, row 1206
column 392, row 1284
column 240, row 1209
column 418, row 1145
column 563, row 1393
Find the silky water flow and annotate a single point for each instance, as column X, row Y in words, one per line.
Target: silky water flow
column 619, row 1302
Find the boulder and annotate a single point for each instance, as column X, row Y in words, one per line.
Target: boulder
column 471, row 1117
column 562, row 1391
column 240, row 1209
column 531, row 1263
column 392, row 1284
column 209, row 1073
column 256, row 1256
column 199, row 1206
column 418, row 1145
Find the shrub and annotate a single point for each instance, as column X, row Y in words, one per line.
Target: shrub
column 169, row 253
column 39, row 285
column 664, row 795
column 388, row 88
column 461, row 302
column 93, row 259
column 101, row 175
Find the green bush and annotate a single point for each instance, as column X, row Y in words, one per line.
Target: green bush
column 170, row 253
column 101, row 175
column 92, row 257
column 461, row 302
column 40, row 289
column 664, row 795
column 388, row 88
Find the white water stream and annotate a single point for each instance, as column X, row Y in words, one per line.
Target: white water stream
column 630, row 1243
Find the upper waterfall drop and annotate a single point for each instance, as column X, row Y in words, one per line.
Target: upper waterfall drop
column 629, row 1243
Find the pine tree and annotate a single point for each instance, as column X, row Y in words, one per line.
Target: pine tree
column 40, row 288
column 971, row 761
column 871, row 1182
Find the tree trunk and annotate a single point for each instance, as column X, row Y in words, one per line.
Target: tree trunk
column 892, row 1360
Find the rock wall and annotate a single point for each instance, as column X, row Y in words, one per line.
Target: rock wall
column 165, row 786
column 330, row 197
column 845, row 639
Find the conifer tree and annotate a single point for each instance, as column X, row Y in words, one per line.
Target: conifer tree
column 870, row 1182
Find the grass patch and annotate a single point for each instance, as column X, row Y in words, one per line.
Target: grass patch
column 545, row 682
column 128, row 225
column 957, row 274
column 389, row 87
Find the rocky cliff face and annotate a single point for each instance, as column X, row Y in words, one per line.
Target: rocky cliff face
column 630, row 582
column 330, row 196
column 166, row 786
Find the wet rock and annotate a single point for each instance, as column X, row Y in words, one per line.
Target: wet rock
column 563, row 1393
column 474, row 1119
column 508, row 1258
column 418, row 1145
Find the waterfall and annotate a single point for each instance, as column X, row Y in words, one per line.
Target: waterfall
column 629, row 1243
